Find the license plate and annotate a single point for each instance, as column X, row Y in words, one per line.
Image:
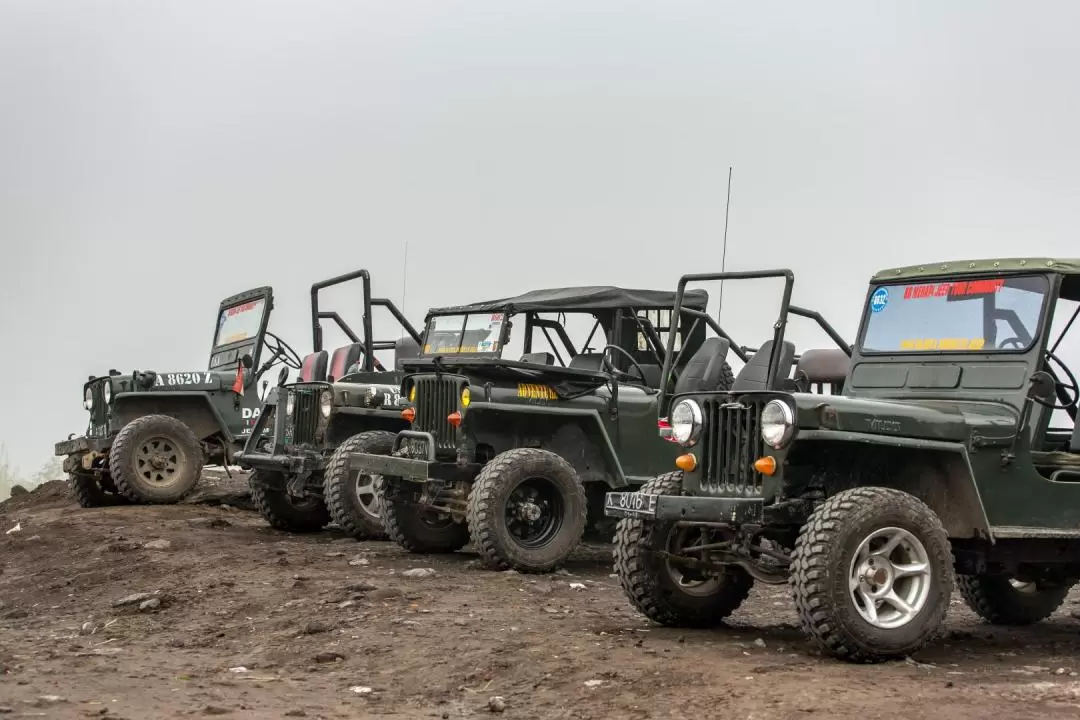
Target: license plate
column 630, row 504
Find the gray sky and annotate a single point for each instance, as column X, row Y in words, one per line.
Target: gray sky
column 155, row 157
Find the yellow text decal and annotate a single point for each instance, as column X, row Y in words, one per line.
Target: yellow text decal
column 943, row 344
column 536, row 392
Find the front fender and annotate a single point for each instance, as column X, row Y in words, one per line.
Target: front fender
column 192, row 408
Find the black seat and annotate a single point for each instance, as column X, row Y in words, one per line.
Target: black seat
column 538, row 358
column 705, row 370
column 819, row 367
column 587, row 361
column 405, row 349
column 342, row 359
column 755, row 374
column 652, row 372
column 313, row 367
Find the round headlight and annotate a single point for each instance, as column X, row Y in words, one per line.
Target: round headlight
column 326, row 400
column 465, row 397
column 290, row 403
column 777, row 423
column 412, row 394
column 686, row 422
column 88, row 399
column 107, row 391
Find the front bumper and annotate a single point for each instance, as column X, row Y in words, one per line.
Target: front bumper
column 413, row 469
column 736, row 511
column 82, row 444
column 294, row 462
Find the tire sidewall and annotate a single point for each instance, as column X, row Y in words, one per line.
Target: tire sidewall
column 122, row 466
column 404, row 523
column 341, row 483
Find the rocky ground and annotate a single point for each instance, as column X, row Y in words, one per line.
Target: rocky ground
column 200, row 610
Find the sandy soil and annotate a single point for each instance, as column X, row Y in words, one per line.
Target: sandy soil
column 201, row 609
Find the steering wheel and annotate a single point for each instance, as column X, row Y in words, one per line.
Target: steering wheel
column 1013, row 341
column 280, row 349
column 1068, row 393
column 610, row 367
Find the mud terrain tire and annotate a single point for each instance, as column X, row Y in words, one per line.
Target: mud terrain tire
column 155, row 459
column 280, row 510
column 559, row 497
column 825, row 557
column 86, row 490
column 652, row 589
column 406, row 525
column 995, row 599
column 341, row 486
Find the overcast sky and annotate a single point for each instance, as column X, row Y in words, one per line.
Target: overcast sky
column 155, row 157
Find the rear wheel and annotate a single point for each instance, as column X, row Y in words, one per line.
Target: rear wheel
column 155, row 459
column 86, row 490
column 350, row 495
column 1003, row 600
column 415, row 528
column 283, row 511
column 526, row 511
column 663, row 591
column 872, row 574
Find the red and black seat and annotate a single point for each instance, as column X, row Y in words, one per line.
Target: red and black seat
column 342, row 359
column 313, row 367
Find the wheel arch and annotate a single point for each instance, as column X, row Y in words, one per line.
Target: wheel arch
column 193, row 409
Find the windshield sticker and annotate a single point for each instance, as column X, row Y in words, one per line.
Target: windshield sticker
column 240, row 322
column 954, row 289
column 879, row 299
column 942, row 344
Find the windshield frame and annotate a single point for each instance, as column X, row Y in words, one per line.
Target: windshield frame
column 504, row 332
column 224, row 354
column 1037, row 332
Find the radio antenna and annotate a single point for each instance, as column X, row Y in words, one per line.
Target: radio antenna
column 723, row 256
column 404, row 276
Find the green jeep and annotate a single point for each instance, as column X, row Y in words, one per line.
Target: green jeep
column 935, row 465
column 516, row 454
column 343, row 401
column 150, row 433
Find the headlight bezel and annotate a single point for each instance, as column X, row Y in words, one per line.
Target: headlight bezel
column 88, row 399
column 106, row 391
column 786, row 423
column 695, row 423
column 290, row 403
column 326, row 403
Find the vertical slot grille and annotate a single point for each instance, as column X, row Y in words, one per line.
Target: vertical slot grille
column 303, row 424
column 99, row 413
column 435, row 399
column 732, row 444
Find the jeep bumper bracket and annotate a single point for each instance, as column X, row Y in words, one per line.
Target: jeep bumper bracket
column 735, row 511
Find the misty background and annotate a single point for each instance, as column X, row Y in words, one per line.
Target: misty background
column 156, row 157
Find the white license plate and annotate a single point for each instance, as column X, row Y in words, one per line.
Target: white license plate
column 630, row 504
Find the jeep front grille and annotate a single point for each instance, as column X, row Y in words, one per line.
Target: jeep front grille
column 99, row 411
column 436, row 398
column 731, row 442
column 302, row 426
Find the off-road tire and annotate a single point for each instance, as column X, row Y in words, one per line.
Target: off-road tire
column 821, row 564
column 994, row 599
column 131, row 484
column 274, row 503
column 490, row 494
column 339, row 485
column 86, row 490
column 405, row 525
column 650, row 588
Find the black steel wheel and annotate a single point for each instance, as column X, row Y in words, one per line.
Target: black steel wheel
column 416, row 529
column 155, row 459
column 283, row 511
column 526, row 511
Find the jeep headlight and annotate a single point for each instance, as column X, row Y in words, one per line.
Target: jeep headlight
column 290, row 403
column 88, row 399
column 777, row 423
column 412, row 394
column 686, row 422
column 107, row 392
column 326, row 401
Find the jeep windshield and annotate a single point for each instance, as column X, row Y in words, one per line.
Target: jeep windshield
column 240, row 322
column 465, row 334
column 978, row 315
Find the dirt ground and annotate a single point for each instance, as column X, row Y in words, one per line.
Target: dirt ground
column 201, row 609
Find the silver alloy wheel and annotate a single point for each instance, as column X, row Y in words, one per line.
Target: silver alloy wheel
column 365, row 493
column 889, row 578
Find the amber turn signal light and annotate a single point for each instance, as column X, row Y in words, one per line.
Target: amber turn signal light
column 454, row 419
column 765, row 465
column 409, row 414
column 686, row 462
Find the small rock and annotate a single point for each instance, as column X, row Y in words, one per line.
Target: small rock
column 120, row 547
column 361, row 689
column 759, row 643
column 496, row 704
column 5, row 710
column 461, row 623
column 87, row 628
column 158, row 545
column 215, row 710
column 210, row 522
column 1060, row 671
column 132, row 599
column 295, row 713
column 151, row 604
column 239, row 669
column 360, row 587
column 328, row 657
column 356, row 561
column 418, row 573
column 48, row 700
column 593, row 683
column 315, row 628
column 577, row 586
column 335, row 554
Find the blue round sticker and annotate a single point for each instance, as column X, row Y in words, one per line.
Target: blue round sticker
column 879, row 299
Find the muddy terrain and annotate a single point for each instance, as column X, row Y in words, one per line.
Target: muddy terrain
column 201, row 610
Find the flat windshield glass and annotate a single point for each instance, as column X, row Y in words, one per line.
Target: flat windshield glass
column 239, row 322
column 985, row 314
column 476, row 334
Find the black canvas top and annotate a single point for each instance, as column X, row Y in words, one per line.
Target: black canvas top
column 594, row 297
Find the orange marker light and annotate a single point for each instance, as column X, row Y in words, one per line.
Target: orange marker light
column 409, row 414
column 686, row 462
column 454, row 418
column 765, row 465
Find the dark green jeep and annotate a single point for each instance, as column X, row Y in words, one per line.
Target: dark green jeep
column 150, row 433
column 343, row 401
column 936, row 464
column 516, row 436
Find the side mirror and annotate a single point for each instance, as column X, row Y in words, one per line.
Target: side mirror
column 246, row 360
column 282, row 376
column 1041, row 386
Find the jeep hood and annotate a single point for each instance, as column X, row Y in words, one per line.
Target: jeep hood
column 566, row 382
column 927, row 419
